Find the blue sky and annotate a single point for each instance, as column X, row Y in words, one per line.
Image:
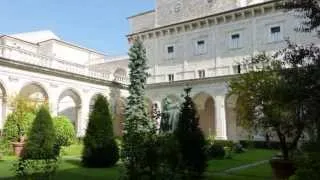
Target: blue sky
column 96, row 24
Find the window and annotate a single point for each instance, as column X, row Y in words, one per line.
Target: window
column 235, row 41
column 201, row 47
column 202, row 73
column 171, row 77
column 170, row 52
column 237, row 69
column 275, row 34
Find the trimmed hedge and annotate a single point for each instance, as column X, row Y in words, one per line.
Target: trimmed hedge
column 65, row 132
column 224, row 143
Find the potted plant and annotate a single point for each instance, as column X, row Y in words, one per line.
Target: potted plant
column 270, row 99
column 18, row 123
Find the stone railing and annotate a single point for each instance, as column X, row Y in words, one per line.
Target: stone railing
column 209, row 73
column 25, row 56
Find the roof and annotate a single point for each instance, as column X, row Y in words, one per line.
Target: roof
column 36, row 36
column 140, row 14
column 74, row 45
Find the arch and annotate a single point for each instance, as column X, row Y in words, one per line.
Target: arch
column 119, row 115
column 120, row 74
column 3, row 105
column 205, row 105
column 35, row 92
column 69, row 105
column 171, row 97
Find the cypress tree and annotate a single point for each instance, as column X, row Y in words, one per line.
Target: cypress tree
column 138, row 127
column 100, row 148
column 190, row 139
column 41, row 139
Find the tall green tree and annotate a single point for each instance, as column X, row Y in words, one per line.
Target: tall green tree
column 268, row 99
column 309, row 11
column 190, row 139
column 139, row 129
column 100, row 148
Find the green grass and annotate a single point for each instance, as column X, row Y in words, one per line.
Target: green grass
column 253, row 155
column 70, row 167
column 73, row 150
column 262, row 171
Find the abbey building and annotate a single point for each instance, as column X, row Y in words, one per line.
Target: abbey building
column 199, row 43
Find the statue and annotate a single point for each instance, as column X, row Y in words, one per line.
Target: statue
column 170, row 116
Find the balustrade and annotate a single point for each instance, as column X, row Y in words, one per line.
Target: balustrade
column 28, row 57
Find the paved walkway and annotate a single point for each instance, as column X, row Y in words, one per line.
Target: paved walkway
column 245, row 166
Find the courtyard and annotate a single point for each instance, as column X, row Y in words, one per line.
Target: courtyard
column 250, row 165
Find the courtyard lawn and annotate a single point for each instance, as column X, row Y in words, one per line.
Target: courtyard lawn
column 70, row 167
column 251, row 156
column 262, row 171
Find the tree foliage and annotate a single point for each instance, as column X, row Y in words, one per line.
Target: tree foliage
column 308, row 10
column 100, row 148
column 278, row 95
column 65, row 132
column 139, row 129
column 19, row 122
column 41, row 139
column 190, row 139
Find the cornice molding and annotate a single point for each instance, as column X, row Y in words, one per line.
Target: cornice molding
column 58, row 73
column 208, row 21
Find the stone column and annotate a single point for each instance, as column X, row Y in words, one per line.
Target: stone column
column 221, row 125
column 83, row 117
column 1, row 114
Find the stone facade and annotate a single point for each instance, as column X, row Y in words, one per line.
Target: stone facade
column 66, row 76
column 202, row 42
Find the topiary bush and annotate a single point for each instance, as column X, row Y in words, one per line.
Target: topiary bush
column 191, row 141
column 41, row 138
column 65, row 132
column 100, row 148
column 39, row 158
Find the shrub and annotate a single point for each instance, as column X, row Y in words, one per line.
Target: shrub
column 100, row 148
column 216, row 151
column 41, row 138
column 11, row 132
column 191, row 141
column 238, row 148
column 224, row 143
column 39, row 158
column 65, row 132
column 308, row 163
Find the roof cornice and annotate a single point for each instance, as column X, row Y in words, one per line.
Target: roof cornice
column 210, row 19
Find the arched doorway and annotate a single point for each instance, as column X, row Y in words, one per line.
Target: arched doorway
column 3, row 102
column 170, row 108
column 69, row 105
column 35, row 93
column 206, row 111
